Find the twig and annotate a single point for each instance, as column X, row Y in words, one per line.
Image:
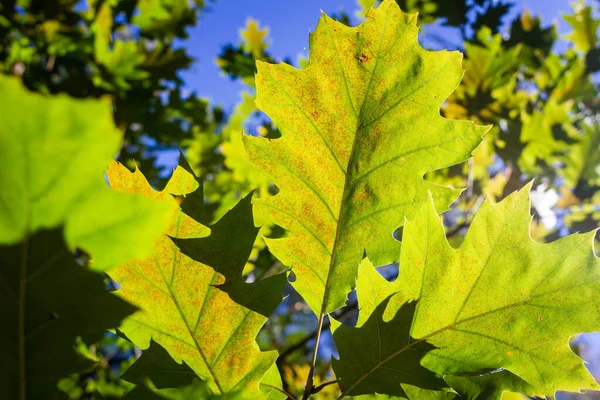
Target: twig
column 295, row 347
column 322, row 386
column 457, row 229
column 309, row 380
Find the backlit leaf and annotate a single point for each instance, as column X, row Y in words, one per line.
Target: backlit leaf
column 54, row 200
column 52, row 159
column 500, row 300
column 360, row 128
column 380, row 332
column 193, row 299
column 584, row 27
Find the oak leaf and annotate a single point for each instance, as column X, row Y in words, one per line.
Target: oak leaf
column 360, row 128
column 192, row 297
column 499, row 301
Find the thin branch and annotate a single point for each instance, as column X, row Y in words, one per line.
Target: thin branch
column 457, row 229
column 298, row 345
column 309, row 380
column 323, row 385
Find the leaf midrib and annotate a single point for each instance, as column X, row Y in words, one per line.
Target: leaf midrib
column 21, row 304
column 357, row 128
column 190, row 332
column 22, row 292
column 179, row 308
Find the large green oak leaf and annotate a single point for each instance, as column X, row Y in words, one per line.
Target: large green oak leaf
column 360, row 128
column 499, row 302
column 55, row 200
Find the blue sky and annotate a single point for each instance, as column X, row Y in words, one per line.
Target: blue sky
column 219, row 26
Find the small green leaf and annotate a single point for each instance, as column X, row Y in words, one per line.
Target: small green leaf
column 360, row 128
column 584, row 158
column 584, row 27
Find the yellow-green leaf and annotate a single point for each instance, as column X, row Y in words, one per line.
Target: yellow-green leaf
column 508, row 301
column 360, row 128
column 584, row 27
column 499, row 301
column 193, row 299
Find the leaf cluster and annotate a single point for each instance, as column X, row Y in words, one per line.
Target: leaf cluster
column 362, row 152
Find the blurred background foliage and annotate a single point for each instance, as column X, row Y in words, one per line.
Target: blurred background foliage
column 538, row 89
column 125, row 49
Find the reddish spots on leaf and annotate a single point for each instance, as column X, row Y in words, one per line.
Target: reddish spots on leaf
column 315, row 115
column 363, row 58
column 419, row 263
column 361, row 195
column 236, row 359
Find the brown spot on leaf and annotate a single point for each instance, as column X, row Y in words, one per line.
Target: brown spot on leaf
column 540, row 318
column 315, row 115
column 363, row 58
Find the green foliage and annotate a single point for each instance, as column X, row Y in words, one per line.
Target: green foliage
column 44, row 189
column 366, row 144
column 126, row 49
column 44, row 312
column 53, row 205
column 584, row 28
column 239, row 61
